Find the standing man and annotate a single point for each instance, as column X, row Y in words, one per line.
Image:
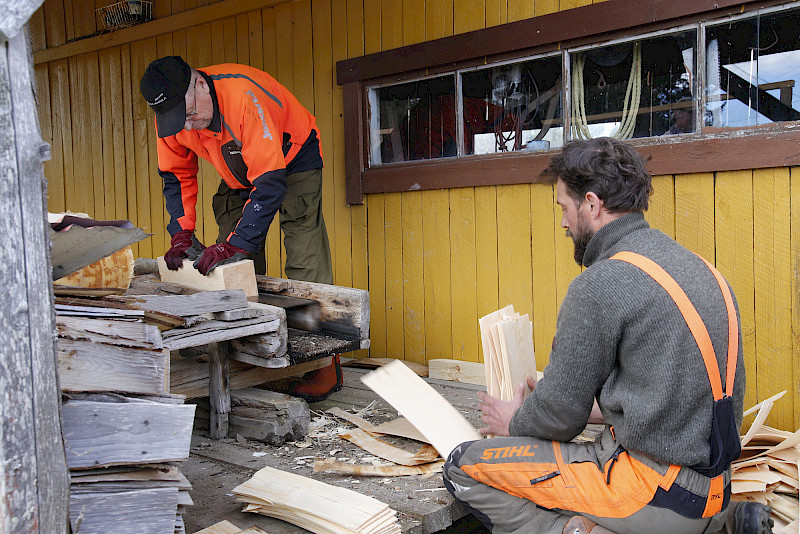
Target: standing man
column 265, row 145
column 648, row 342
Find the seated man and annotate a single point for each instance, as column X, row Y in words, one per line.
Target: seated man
column 648, row 342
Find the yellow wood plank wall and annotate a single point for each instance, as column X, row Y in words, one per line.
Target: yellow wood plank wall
column 433, row 261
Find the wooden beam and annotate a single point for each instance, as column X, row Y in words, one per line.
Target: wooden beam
column 154, row 28
column 35, row 484
column 219, row 392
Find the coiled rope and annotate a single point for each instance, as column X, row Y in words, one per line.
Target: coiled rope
column 630, row 109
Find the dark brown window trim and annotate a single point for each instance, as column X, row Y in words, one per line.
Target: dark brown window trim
column 771, row 146
column 757, row 149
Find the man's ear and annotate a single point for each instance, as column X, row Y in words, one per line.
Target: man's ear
column 594, row 203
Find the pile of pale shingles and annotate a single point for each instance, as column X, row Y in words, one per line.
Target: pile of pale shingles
column 767, row 471
column 124, row 432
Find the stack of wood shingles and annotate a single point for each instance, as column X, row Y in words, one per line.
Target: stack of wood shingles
column 507, row 339
column 314, row 505
column 123, row 431
column 767, row 471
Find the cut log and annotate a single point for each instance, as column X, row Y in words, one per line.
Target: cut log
column 238, row 275
column 314, row 505
column 261, row 415
column 114, row 271
column 88, row 366
column 457, row 371
column 138, row 431
column 341, row 305
column 428, row 411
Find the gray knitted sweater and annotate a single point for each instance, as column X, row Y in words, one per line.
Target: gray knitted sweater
column 621, row 338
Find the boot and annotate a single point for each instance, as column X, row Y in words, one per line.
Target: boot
column 746, row 517
column 580, row 525
column 316, row 386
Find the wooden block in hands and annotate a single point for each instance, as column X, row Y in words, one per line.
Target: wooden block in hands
column 237, row 275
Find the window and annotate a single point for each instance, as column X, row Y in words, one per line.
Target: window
column 752, row 65
column 634, row 89
column 697, row 87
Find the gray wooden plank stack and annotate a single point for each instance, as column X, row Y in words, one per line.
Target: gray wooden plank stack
column 114, row 369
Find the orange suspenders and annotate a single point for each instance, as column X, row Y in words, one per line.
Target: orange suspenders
column 700, row 333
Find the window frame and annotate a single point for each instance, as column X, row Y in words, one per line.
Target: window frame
column 769, row 145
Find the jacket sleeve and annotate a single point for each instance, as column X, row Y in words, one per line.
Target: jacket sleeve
column 266, row 170
column 177, row 166
column 582, row 357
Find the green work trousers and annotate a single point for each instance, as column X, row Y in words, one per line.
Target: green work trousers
column 308, row 254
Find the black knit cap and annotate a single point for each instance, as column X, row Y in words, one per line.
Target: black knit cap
column 164, row 85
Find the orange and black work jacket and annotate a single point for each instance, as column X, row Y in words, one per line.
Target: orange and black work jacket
column 259, row 133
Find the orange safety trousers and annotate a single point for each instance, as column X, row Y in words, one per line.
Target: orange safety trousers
column 604, row 480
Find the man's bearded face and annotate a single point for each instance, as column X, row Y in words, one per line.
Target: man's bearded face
column 580, row 237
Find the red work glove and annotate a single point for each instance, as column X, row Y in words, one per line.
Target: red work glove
column 184, row 245
column 219, row 254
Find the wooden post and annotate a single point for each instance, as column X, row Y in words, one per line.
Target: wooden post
column 35, row 484
column 219, row 393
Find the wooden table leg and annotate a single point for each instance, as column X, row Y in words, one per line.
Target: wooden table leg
column 219, row 394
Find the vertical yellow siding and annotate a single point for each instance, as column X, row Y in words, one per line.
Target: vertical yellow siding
column 772, row 259
column 435, row 273
column 433, row 261
column 545, row 231
column 734, row 228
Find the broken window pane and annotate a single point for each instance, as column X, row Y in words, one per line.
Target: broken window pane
column 636, row 89
column 413, row 121
column 752, row 65
column 513, row 107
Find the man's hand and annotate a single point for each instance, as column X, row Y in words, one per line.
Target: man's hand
column 184, row 245
column 497, row 414
column 219, row 254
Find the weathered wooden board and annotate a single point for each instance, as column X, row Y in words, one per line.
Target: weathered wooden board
column 147, row 511
column 205, row 333
column 89, row 366
column 238, row 275
column 195, row 304
column 110, row 332
column 139, row 431
column 342, row 305
column 34, row 489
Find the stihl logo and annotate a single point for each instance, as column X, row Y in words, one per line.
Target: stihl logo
column 507, row 452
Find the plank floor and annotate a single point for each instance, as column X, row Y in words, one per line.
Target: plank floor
column 423, row 505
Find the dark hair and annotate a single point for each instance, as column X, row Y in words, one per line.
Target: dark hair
column 608, row 167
